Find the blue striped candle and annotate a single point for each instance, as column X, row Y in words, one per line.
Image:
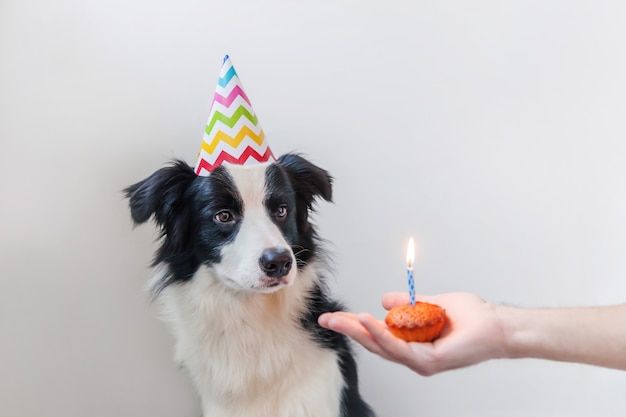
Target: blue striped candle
column 410, row 257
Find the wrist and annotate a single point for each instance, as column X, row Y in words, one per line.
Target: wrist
column 509, row 319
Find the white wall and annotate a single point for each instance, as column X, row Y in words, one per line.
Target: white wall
column 494, row 132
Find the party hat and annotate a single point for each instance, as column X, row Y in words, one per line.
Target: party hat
column 233, row 133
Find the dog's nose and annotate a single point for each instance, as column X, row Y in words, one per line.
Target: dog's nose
column 276, row 262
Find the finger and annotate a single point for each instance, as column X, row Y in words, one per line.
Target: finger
column 375, row 328
column 326, row 317
column 323, row 319
column 388, row 343
column 392, row 299
column 350, row 326
column 409, row 354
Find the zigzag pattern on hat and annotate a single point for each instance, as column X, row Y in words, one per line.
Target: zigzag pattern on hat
column 226, row 157
column 233, row 133
column 233, row 141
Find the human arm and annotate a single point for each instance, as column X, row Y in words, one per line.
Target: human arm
column 591, row 335
column 477, row 331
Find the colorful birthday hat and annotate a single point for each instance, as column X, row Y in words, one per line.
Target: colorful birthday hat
column 233, row 133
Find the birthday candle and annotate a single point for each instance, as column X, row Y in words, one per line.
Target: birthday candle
column 410, row 257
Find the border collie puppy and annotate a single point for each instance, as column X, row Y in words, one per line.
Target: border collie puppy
column 241, row 285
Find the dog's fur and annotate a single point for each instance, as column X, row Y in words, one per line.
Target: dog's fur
column 245, row 317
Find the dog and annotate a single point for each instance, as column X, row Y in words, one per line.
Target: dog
column 242, row 283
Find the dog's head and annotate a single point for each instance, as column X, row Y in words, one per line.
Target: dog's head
column 249, row 225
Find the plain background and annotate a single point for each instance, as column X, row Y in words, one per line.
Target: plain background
column 493, row 132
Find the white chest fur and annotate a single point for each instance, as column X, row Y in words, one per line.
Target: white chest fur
column 247, row 354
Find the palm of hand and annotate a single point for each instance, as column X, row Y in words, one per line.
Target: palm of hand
column 471, row 334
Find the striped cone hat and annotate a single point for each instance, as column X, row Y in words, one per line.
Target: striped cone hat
column 233, row 133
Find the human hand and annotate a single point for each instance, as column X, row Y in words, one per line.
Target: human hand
column 472, row 334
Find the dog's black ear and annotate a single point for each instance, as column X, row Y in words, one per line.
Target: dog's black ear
column 308, row 180
column 161, row 194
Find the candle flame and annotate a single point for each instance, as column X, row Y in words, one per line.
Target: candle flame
column 410, row 253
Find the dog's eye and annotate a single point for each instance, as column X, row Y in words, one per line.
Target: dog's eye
column 223, row 216
column 282, row 211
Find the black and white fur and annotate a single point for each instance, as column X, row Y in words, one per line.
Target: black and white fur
column 241, row 282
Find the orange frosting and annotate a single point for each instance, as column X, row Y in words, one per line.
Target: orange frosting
column 419, row 323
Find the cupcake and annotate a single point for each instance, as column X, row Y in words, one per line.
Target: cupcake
column 421, row 322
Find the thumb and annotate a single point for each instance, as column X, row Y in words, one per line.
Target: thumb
column 392, row 299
